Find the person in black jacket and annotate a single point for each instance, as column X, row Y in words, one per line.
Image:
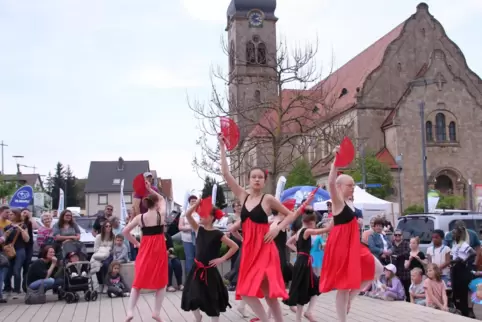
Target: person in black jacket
column 42, row 270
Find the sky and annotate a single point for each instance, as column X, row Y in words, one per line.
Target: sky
column 93, row 80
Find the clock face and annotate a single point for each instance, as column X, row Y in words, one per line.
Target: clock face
column 255, row 18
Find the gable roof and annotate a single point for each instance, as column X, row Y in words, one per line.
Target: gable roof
column 29, row 179
column 351, row 77
column 102, row 174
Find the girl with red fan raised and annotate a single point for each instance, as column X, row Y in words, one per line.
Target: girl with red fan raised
column 259, row 258
column 152, row 256
column 347, row 264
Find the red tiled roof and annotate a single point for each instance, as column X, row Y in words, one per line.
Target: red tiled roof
column 384, row 156
column 350, row 76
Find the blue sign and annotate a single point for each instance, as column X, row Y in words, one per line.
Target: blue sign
column 370, row 185
column 22, row 198
column 301, row 192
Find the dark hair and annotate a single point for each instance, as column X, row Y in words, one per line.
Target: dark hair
column 439, row 232
column 3, row 208
column 308, row 217
column 378, row 222
column 112, row 264
column 103, row 234
column 191, row 198
column 44, row 251
column 150, row 201
column 119, row 236
column 18, row 215
column 61, row 221
column 260, row 169
column 27, row 219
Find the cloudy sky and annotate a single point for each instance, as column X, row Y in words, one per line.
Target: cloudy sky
column 84, row 80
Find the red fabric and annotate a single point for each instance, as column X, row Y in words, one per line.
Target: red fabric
column 290, row 204
column 151, row 263
column 206, row 206
column 346, row 154
column 204, row 271
column 230, row 131
column 259, row 261
column 346, row 262
column 139, row 185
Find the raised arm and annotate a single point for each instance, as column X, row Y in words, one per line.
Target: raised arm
column 237, row 190
column 338, row 203
column 190, row 219
column 289, row 215
column 162, row 201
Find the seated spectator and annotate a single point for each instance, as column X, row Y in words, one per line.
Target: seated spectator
column 116, row 286
column 174, row 266
column 417, row 291
column 379, row 244
column 120, row 252
column 435, row 289
column 41, row 271
column 389, row 288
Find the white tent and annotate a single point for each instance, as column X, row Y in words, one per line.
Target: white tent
column 370, row 205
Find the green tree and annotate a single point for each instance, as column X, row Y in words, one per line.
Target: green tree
column 56, row 182
column 7, row 188
column 376, row 172
column 450, row 202
column 413, row 209
column 208, row 189
column 300, row 175
column 71, row 190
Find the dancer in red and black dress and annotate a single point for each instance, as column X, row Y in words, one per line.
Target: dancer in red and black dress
column 348, row 265
column 152, row 256
column 204, row 289
column 304, row 286
column 260, row 270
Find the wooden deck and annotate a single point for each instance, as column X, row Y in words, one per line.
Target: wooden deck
column 113, row 310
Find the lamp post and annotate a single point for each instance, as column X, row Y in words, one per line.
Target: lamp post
column 471, row 195
column 421, row 105
column 399, row 160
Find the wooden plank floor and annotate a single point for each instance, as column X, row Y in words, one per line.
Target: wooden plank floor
column 113, row 310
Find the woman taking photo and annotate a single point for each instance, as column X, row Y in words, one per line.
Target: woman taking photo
column 16, row 234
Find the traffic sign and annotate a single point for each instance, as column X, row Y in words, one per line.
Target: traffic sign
column 373, row 185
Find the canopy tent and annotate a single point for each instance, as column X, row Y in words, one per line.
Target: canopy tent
column 369, row 204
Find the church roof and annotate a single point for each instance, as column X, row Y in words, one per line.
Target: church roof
column 349, row 78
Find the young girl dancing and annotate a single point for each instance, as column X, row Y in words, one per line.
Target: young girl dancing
column 304, row 287
column 347, row 265
column 204, row 289
column 152, row 256
column 260, row 270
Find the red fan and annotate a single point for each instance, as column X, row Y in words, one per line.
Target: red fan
column 230, row 131
column 346, row 154
column 290, row 204
column 205, row 207
column 139, row 185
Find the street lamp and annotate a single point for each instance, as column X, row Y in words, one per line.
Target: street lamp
column 399, row 160
column 423, row 82
column 471, row 195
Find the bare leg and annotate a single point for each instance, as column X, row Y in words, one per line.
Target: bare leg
column 197, row 315
column 342, row 299
column 242, row 308
column 255, row 304
column 273, row 303
column 156, row 315
column 293, row 309
column 134, row 296
column 309, row 312
column 215, row 318
column 299, row 313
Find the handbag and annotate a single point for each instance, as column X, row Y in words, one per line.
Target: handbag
column 4, row 261
column 36, row 296
column 9, row 249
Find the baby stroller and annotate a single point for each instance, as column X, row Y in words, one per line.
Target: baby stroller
column 79, row 281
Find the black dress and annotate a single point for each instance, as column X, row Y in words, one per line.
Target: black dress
column 286, row 267
column 204, row 288
column 305, row 283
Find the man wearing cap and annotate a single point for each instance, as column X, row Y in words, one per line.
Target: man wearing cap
column 137, row 205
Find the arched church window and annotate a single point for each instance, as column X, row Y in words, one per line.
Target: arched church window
column 250, row 53
column 231, row 56
column 429, row 131
column 452, row 132
column 440, row 130
column 261, row 53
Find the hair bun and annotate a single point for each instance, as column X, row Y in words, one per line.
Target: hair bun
column 150, row 201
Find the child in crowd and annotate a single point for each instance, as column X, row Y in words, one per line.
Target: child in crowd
column 417, row 291
column 435, row 289
column 389, row 288
column 76, row 270
column 439, row 254
column 120, row 253
column 116, row 287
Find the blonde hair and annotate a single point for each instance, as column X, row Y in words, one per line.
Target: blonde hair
column 436, row 270
column 417, row 270
column 416, row 239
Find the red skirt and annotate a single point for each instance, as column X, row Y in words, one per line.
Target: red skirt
column 259, row 261
column 346, row 261
column 151, row 263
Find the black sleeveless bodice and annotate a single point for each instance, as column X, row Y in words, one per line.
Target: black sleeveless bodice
column 345, row 216
column 208, row 244
column 257, row 214
column 152, row 230
column 303, row 245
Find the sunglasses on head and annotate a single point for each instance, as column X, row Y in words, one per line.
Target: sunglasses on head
column 397, row 235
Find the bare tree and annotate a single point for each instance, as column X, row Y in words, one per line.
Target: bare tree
column 291, row 114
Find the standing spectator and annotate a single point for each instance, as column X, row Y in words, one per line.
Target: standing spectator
column 400, row 253
column 188, row 242
column 45, row 231
column 237, row 216
column 416, row 257
column 379, row 244
column 440, row 254
column 367, row 233
column 4, row 211
column 17, row 234
column 174, row 266
column 31, row 225
column 3, row 271
column 101, row 218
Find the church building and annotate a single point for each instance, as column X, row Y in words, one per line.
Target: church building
column 383, row 88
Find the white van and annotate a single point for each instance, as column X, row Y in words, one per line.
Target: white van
column 423, row 225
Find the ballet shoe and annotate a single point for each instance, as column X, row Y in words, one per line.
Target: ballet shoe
column 156, row 317
column 309, row 317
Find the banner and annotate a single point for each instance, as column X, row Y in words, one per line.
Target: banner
column 478, row 197
column 123, row 207
column 22, row 198
column 432, row 199
column 280, row 187
column 61, row 201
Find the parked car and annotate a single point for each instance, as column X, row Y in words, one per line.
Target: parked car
column 85, row 237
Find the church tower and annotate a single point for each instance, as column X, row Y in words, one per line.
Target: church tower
column 251, row 27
